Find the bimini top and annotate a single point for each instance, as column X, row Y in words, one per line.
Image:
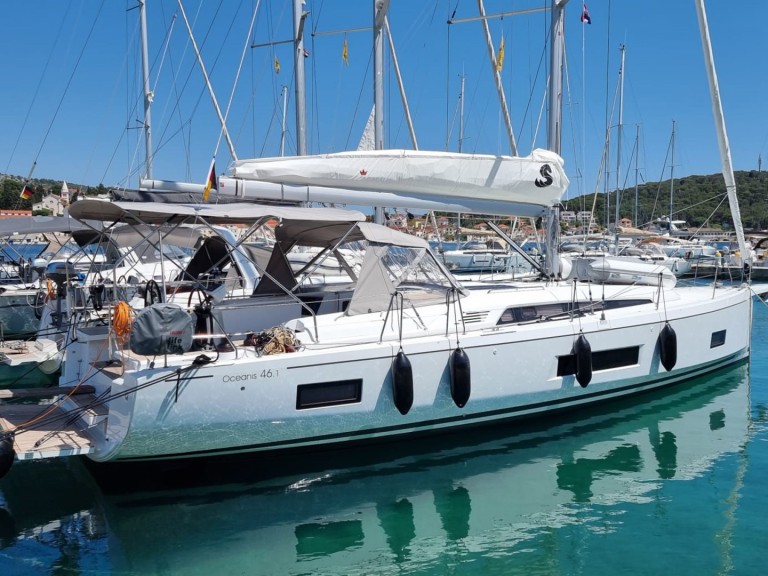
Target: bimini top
column 41, row 225
column 156, row 213
column 522, row 186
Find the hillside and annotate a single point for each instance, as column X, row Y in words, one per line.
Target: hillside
column 10, row 191
column 699, row 200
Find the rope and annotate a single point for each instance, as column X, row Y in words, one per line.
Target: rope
column 48, row 418
column 276, row 340
column 122, row 321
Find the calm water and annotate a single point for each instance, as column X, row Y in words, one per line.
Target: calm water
column 670, row 481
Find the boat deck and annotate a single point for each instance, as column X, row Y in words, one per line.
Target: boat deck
column 52, row 437
column 11, row 351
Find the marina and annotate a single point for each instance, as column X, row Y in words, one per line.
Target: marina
column 390, row 358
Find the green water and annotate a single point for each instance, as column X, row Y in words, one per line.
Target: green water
column 672, row 482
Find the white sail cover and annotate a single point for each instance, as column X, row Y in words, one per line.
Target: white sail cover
column 523, row 186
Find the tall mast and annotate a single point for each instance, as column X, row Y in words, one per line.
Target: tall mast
column 461, row 114
column 380, row 8
column 722, row 135
column 554, row 120
column 299, row 16
column 147, row 89
column 285, row 113
column 672, row 180
column 637, row 171
column 619, row 129
column 554, row 132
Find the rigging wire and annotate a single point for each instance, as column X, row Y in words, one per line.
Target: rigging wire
column 65, row 90
column 237, row 76
column 69, row 81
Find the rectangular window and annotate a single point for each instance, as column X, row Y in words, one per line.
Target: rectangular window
column 560, row 310
column 329, row 393
column 602, row 360
column 718, row 339
column 616, row 358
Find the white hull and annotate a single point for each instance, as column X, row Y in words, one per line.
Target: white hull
column 246, row 403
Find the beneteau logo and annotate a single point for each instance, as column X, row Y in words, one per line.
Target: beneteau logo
column 546, row 180
column 363, row 172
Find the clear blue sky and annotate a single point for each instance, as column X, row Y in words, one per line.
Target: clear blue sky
column 71, row 99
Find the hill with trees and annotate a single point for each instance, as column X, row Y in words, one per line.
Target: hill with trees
column 699, row 200
column 11, row 186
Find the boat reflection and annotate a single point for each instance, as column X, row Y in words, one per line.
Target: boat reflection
column 492, row 493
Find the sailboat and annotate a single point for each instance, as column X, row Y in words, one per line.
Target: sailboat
column 402, row 350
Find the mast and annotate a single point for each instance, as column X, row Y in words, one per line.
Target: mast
column 637, row 171
column 554, row 132
column 380, row 8
column 285, row 111
column 672, row 180
column 299, row 16
column 619, row 130
column 148, row 96
column 722, row 135
column 461, row 114
column 554, row 128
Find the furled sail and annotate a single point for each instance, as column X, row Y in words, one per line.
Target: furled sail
column 524, row 186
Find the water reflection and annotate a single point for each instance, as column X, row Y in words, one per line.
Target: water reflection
column 454, row 508
column 326, row 538
column 396, row 519
column 577, row 476
column 665, row 450
column 510, row 499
